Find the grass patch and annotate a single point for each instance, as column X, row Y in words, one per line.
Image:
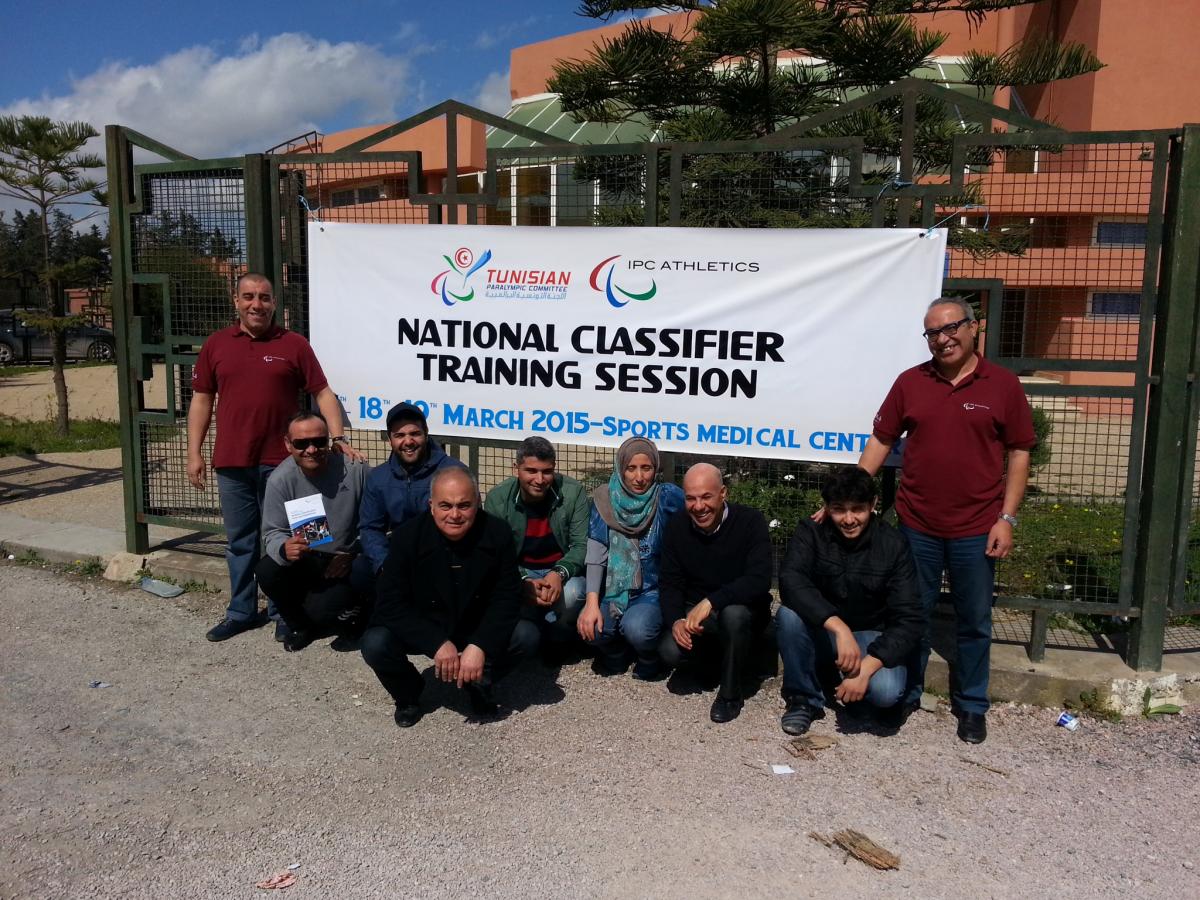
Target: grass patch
column 17, row 436
column 89, row 568
column 1094, row 704
column 14, row 371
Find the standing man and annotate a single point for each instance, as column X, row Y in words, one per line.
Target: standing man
column 258, row 370
column 548, row 514
column 449, row 590
column 399, row 489
column 714, row 586
column 850, row 606
column 966, row 461
column 318, row 587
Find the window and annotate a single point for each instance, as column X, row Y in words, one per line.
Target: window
column 1114, row 303
column 1121, row 234
column 368, row 193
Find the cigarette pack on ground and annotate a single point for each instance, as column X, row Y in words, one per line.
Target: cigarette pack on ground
column 306, row 517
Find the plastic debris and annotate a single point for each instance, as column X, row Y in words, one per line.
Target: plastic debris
column 782, row 770
column 98, row 684
column 294, row 866
column 1068, row 721
column 161, row 588
column 278, row 881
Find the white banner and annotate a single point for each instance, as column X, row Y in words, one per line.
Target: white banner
column 752, row 342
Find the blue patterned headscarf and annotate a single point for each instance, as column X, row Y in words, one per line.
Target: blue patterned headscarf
column 628, row 517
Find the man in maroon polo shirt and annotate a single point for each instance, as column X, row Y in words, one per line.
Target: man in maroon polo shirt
column 258, row 370
column 966, row 461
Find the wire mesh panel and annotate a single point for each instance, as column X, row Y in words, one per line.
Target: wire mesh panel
column 187, row 249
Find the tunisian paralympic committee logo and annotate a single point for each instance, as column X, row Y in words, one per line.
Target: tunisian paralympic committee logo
column 611, row 290
column 463, row 265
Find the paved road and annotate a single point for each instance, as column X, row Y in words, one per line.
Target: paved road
column 205, row 768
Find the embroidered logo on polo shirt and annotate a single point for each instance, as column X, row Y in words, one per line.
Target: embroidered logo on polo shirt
column 970, row 406
column 268, row 359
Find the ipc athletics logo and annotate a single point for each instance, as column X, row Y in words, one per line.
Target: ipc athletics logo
column 463, row 265
column 613, row 290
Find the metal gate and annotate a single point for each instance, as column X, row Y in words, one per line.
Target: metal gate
column 1070, row 259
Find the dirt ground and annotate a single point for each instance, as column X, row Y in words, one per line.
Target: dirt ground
column 205, row 768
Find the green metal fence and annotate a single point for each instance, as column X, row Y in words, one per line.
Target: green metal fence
column 1093, row 304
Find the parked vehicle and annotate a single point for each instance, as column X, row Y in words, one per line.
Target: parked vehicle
column 21, row 342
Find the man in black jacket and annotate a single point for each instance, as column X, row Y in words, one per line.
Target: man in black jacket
column 714, row 584
column 850, row 603
column 449, row 590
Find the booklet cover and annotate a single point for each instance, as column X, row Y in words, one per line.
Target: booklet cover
column 306, row 517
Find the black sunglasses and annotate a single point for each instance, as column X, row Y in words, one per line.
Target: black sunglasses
column 948, row 330
column 321, row 443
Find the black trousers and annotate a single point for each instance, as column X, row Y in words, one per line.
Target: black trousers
column 308, row 601
column 725, row 646
column 387, row 654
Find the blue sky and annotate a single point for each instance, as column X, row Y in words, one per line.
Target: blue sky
column 225, row 77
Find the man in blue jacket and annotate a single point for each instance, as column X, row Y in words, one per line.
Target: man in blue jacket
column 399, row 489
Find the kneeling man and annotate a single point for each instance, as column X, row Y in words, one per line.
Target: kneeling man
column 548, row 514
column 313, row 572
column 449, row 590
column 850, row 603
column 714, row 584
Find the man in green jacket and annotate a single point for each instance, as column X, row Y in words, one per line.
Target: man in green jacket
column 548, row 515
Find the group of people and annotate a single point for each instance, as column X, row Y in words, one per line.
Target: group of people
column 641, row 571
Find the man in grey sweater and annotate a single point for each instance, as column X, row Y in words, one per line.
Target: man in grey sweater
column 311, row 567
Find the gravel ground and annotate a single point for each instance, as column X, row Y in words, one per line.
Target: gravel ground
column 206, row 768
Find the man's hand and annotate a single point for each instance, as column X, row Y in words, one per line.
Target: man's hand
column 195, row 471
column 819, row 515
column 347, row 449
column 470, row 665
column 591, row 622
column 999, row 540
column 339, row 565
column 550, row 588
column 445, row 662
column 853, row 689
column 681, row 634
column 696, row 616
column 849, row 656
column 295, row 548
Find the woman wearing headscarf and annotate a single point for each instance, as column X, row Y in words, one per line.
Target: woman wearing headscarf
column 625, row 531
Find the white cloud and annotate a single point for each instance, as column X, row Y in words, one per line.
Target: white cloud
column 494, row 95
column 206, row 105
column 485, row 40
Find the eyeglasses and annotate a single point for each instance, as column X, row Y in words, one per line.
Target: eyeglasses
column 302, row 444
column 950, row 330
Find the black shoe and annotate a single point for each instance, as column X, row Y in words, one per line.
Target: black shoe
column 895, row 716
column 227, row 628
column 282, row 630
column 972, row 727
column 297, row 641
column 408, row 715
column 799, row 716
column 608, row 666
column 654, row 671
column 483, row 700
column 725, row 709
column 345, row 643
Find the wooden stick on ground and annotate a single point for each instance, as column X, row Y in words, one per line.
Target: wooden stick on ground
column 863, row 848
column 975, row 762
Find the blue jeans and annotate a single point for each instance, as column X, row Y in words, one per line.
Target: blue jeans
column 806, row 649
column 555, row 624
column 972, row 589
column 241, row 490
column 640, row 626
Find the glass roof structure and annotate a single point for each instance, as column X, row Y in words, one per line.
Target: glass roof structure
column 544, row 112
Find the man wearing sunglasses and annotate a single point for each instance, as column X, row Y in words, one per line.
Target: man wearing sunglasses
column 969, row 431
column 316, row 578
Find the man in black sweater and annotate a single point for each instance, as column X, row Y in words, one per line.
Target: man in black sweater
column 449, row 590
column 850, row 605
column 714, row 584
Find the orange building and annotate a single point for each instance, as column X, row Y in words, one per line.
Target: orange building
column 1077, row 290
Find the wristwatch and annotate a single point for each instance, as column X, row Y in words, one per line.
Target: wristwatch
column 1011, row 520
column 340, row 439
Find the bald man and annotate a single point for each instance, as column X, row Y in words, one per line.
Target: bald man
column 714, row 586
column 449, row 589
